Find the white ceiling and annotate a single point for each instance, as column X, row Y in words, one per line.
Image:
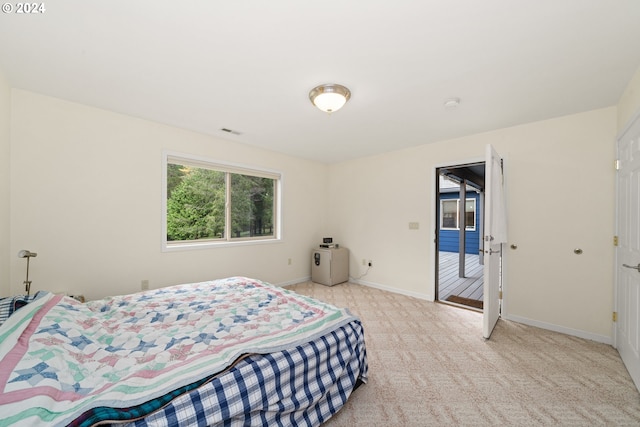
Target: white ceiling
column 248, row 65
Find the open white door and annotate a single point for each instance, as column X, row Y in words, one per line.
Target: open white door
column 628, row 251
column 495, row 234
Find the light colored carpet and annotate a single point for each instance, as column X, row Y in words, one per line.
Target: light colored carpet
column 429, row 365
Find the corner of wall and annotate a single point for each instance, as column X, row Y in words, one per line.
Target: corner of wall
column 5, row 144
column 629, row 102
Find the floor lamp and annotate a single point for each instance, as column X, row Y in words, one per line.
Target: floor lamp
column 27, row 254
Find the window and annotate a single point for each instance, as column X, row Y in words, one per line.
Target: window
column 449, row 214
column 208, row 203
column 470, row 214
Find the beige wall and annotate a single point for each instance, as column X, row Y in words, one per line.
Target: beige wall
column 86, row 196
column 559, row 194
column 629, row 104
column 5, row 135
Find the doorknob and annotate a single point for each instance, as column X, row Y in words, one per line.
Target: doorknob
column 631, row 266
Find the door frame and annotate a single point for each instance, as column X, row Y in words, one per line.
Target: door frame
column 435, row 217
column 433, row 266
column 493, row 266
column 633, row 121
column 620, row 135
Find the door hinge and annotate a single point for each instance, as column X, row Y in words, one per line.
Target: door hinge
column 615, row 240
column 500, row 295
column 615, row 316
column 617, row 165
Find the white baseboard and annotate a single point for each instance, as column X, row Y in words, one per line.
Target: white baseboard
column 538, row 324
column 294, row 282
column 364, row 283
column 563, row 330
column 390, row 289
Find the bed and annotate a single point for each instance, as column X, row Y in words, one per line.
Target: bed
column 235, row 351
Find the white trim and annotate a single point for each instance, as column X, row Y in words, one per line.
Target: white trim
column 629, row 357
column 392, row 290
column 294, row 282
column 431, row 283
column 518, row 319
column 442, row 202
column 560, row 329
column 192, row 246
column 457, row 227
column 204, row 162
column 616, row 279
column 475, row 213
column 368, row 284
column 208, row 163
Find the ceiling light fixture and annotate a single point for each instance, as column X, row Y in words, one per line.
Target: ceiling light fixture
column 329, row 97
column 451, row 103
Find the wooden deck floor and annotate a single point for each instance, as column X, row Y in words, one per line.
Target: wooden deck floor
column 449, row 282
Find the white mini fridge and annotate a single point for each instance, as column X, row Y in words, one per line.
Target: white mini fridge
column 330, row 266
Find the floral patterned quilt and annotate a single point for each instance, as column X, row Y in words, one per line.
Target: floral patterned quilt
column 60, row 358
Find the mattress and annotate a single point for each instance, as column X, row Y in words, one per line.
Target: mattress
column 303, row 386
column 236, row 351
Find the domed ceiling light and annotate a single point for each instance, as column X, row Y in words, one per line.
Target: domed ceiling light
column 329, row 97
column 451, row 103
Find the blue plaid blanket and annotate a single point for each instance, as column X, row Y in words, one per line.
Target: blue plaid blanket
column 303, row 386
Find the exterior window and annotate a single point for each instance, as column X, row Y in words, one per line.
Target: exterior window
column 449, row 214
column 208, row 203
column 470, row 214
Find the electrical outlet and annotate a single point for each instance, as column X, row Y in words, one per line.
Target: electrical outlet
column 289, row 261
column 364, row 262
column 414, row 225
column 144, row 285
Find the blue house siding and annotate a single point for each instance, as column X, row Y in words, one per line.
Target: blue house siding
column 449, row 238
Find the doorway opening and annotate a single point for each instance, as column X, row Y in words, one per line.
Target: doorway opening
column 459, row 230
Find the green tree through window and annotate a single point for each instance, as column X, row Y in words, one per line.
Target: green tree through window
column 251, row 205
column 197, row 208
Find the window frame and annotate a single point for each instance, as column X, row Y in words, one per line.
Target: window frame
column 442, row 212
column 227, row 167
column 457, row 227
column 475, row 213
